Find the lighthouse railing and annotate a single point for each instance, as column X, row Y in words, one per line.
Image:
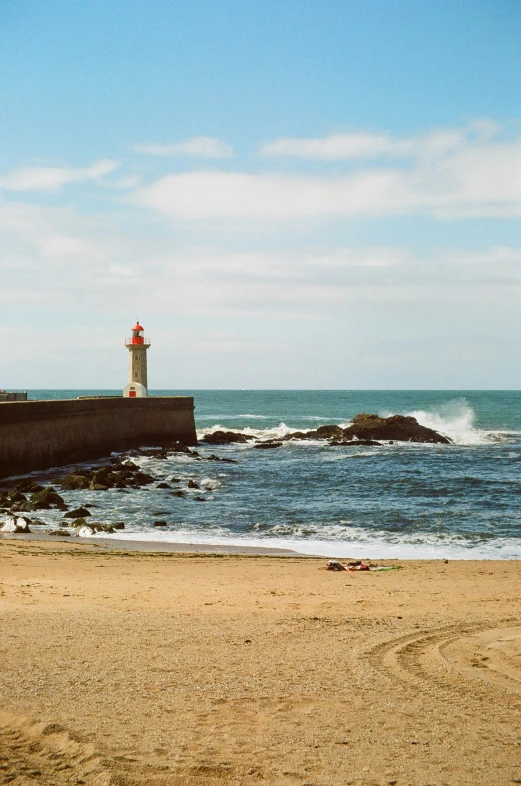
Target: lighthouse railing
column 130, row 341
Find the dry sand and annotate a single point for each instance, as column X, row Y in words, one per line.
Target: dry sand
column 123, row 668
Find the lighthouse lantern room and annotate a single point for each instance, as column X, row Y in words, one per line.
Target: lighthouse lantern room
column 137, row 346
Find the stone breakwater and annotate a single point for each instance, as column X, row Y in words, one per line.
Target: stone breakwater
column 36, row 435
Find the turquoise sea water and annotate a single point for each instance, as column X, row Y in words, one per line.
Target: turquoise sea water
column 398, row 500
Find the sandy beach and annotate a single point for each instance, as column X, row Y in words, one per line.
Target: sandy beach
column 160, row 668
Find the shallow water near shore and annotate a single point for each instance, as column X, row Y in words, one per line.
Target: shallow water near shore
column 398, row 500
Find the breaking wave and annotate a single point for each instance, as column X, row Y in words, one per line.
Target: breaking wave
column 455, row 420
column 275, row 432
column 350, row 542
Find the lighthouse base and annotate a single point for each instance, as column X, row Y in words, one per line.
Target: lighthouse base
column 41, row 434
column 135, row 390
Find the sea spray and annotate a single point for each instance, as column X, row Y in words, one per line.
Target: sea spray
column 454, row 419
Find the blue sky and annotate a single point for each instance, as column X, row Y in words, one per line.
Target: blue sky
column 301, row 193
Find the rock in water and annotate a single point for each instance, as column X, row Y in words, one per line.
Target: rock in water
column 401, row 428
column 73, row 481
column 225, row 438
column 267, row 445
column 78, row 513
column 354, row 443
column 329, row 432
column 15, row 525
column 86, row 532
column 47, row 498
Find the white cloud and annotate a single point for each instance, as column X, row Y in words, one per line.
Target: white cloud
column 58, row 258
column 479, row 179
column 202, row 146
column 221, row 316
column 53, row 178
column 366, row 145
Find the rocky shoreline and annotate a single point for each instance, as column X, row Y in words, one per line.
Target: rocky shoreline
column 124, row 475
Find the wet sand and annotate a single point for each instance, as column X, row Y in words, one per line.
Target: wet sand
column 122, row 667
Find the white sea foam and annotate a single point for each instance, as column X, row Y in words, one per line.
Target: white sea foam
column 360, row 544
column 454, row 419
column 275, row 432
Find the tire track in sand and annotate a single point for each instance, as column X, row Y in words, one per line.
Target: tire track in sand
column 441, row 656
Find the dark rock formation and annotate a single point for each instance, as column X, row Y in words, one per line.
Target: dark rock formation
column 396, row 427
column 354, row 443
column 366, row 427
column 73, row 482
column 329, row 432
column 93, row 486
column 29, row 486
column 180, row 447
column 78, row 513
column 45, row 499
column 323, row 432
column 98, row 527
column 225, row 438
column 119, row 475
column 78, row 522
column 267, row 445
column 159, row 453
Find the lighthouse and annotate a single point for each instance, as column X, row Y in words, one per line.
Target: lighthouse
column 137, row 367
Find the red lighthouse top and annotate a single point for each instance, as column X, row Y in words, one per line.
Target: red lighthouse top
column 137, row 336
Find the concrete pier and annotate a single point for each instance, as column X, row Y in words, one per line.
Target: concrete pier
column 41, row 434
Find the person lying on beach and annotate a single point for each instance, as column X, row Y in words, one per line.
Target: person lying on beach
column 358, row 565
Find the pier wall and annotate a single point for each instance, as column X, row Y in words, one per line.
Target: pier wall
column 42, row 434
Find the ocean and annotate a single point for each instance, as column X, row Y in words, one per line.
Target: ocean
column 395, row 501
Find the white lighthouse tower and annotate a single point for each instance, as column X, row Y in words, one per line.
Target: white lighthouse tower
column 137, row 367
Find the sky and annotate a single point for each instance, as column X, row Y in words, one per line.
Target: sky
column 287, row 193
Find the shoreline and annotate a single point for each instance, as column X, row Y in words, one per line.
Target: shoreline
column 122, row 544
column 375, row 551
